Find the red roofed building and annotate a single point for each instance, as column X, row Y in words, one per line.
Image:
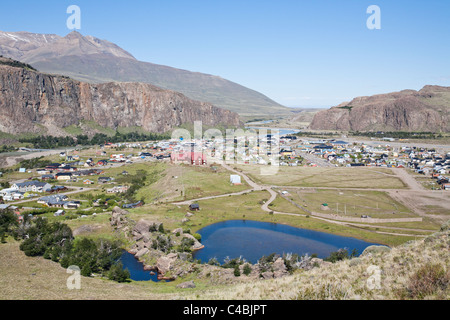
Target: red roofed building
column 194, row 158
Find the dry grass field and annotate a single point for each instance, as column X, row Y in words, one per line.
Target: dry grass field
column 361, row 178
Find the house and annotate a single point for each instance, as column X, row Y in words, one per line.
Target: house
column 87, row 181
column 102, row 162
column 59, row 213
column 194, row 207
column 118, row 156
column 47, row 177
column 104, row 180
column 63, row 176
column 42, row 171
column 33, row 186
column 118, row 189
column 133, row 205
column 7, row 192
column 53, row 166
column 72, row 205
column 339, row 144
column 51, row 199
column 56, row 189
column 322, row 147
column 286, row 152
column 18, row 195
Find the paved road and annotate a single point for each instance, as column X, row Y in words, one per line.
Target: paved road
column 77, row 190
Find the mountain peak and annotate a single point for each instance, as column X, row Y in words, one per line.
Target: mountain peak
column 74, row 35
column 94, row 60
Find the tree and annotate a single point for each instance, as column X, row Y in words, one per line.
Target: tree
column 8, row 221
column 117, row 273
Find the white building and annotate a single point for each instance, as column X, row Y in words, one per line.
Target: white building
column 31, row 186
column 235, row 179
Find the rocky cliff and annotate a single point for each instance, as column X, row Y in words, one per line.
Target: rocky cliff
column 33, row 102
column 408, row 110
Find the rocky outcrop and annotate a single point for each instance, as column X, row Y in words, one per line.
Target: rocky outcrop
column 408, row 110
column 119, row 218
column 33, row 102
column 153, row 246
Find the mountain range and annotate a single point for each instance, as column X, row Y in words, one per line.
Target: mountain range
column 92, row 60
column 426, row 110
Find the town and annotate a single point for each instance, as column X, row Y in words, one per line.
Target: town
column 61, row 184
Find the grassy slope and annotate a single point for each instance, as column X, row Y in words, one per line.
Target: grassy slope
column 26, row 278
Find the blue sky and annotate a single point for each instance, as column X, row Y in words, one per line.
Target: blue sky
column 305, row 53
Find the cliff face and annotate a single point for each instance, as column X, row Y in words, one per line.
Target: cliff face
column 409, row 110
column 31, row 102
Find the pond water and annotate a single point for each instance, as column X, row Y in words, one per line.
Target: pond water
column 252, row 240
column 136, row 268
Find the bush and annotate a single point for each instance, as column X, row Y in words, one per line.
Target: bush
column 428, row 280
column 117, row 273
column 341, row 254
column 8, row 221
column 186, row 245
column 237, row 272
column 247, row 269
column 197, row 236
column 213, row 262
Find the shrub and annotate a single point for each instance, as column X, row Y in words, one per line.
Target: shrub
column 341, row 254
column 247, row 269
column 197, row 236
column 214, row 262
column 186, row 245
column 8, row 221
column 237, row 272
column 428, row 280
column 117, row 273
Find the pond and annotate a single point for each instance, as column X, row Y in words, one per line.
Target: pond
column 136, row 268
column 253, row 239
